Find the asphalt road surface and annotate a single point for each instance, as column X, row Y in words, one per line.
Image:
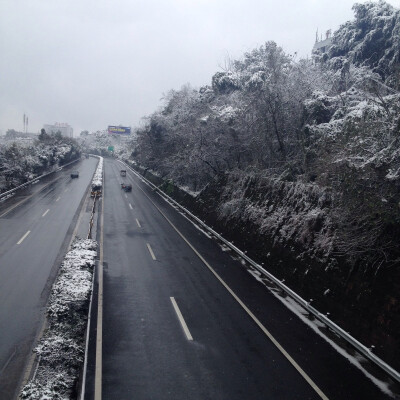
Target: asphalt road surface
column 183, row 320
column 35, row 230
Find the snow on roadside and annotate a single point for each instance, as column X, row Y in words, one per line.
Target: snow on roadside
column 61, row 349
column 7, row 197
column 98, row 175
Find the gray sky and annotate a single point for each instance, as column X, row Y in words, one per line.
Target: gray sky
column 93, row 63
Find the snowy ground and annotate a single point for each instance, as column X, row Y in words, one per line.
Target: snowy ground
column 98, row 175
column 61, row 349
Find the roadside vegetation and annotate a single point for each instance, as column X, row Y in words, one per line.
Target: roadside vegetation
column 103, row 144
column 23, row 158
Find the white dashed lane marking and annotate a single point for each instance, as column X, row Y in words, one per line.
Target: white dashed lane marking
column 151, row 251
column 181, row 319
column 23, row 237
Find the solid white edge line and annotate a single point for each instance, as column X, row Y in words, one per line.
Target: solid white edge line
column 44, row 214
column 138, row 223
column 37, row 367
column 254, row 318
column 151, row 252
column 23, row 237
column 181, row 319
column 14, row 206
column 99, row 331
column 83, row 387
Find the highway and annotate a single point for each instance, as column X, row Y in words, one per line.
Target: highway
column 36, row 226
column 179, row 318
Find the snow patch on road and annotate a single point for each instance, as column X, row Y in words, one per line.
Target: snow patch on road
column 61, row 349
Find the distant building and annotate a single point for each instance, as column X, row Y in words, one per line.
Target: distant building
column 13, row 135
column 322, row 45
column 64, row 128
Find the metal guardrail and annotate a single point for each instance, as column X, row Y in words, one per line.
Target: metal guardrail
column 365, row 351
column 5, row 194
column 95, row 196
column 92, row 218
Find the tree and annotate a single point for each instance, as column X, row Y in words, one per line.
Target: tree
column 372, row 39
column 57, row 136
column 43, row 136
column 11, row 134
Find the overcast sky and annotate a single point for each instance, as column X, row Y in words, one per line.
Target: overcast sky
column 93, row 63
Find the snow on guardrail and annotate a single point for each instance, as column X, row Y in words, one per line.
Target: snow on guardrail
column 62, row 347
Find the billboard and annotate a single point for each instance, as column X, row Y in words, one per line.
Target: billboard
column 119, row 130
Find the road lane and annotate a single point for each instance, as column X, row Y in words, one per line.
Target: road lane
column 249, row 312
column 28, row 269
column 230, row 357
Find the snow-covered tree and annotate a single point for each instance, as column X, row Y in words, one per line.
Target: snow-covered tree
column 20, row 163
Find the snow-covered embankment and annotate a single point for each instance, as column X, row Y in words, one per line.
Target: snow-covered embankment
column 61, row 349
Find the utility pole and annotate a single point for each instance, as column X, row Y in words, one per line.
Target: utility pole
column 25, row 124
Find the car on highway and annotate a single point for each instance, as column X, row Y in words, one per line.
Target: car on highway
column 127, row 187
column 75, row 174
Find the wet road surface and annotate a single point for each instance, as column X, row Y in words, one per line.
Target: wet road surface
column 183, row 320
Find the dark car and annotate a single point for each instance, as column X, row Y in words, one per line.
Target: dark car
column 128, row 188
column 75, row 174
